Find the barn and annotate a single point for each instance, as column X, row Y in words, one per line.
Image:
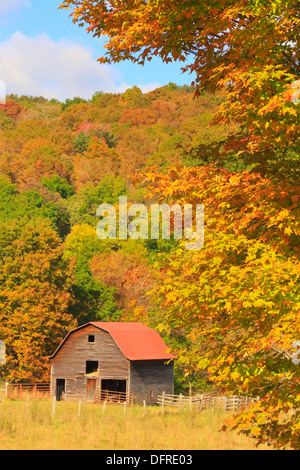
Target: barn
column 124, row 357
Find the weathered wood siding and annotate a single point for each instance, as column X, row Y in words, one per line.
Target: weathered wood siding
column 70, row 362
column 148, row 379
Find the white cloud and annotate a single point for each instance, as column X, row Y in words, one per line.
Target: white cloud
column 61, row 69
column 7, row 6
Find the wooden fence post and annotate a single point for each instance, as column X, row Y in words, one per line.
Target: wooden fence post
column 198, row 401
column 144, row 413
column 180, row 402
column 79, row 409
column 103, row 409
column 201, row 402
column 53, row 406
column 163, row 403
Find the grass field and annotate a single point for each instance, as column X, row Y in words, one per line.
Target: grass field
column 29, row 425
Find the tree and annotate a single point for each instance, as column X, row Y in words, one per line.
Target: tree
column 58, row 185
column 250, row 49
column 237, row 300
column 133, row 98
column 87, row 129
column 12, row 109
column 93, row 300
column 37, row 203
column 69, row 102
column 83, row 205
column 6, row 123
column 38, row 158
column 129, row 274
column 35, row 298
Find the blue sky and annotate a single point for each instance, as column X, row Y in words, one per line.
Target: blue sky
column 42, row 53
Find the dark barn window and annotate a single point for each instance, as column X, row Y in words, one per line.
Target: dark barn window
column 91, row 367
column 91, row 338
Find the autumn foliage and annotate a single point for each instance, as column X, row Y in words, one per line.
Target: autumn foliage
column 237, row 299
column 250, row 49
column 12, row 109
column 35, row 298
column 229, row 141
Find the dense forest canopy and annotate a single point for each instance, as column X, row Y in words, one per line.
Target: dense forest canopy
column 58, row 163
column 249, row 47
column 229, row 141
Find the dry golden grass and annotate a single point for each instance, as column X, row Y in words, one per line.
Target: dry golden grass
column 29, row 425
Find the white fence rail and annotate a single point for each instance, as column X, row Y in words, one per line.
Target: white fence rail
column 204, row 401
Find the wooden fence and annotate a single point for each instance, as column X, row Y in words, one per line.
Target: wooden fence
column 113, row 398
column 204, row 401
column 24, row 391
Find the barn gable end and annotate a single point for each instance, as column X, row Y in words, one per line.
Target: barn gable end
column 104, row 355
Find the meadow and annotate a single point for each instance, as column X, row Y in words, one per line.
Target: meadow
column 32, row 425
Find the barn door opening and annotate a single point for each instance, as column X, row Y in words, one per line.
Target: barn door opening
column 60, row 388
column 91, row 389
column 114, row 385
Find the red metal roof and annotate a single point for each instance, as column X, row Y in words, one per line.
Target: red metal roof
column 136, row 341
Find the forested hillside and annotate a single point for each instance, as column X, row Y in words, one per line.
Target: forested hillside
column 229, row 141
column 58, row 163
column 229, row 310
